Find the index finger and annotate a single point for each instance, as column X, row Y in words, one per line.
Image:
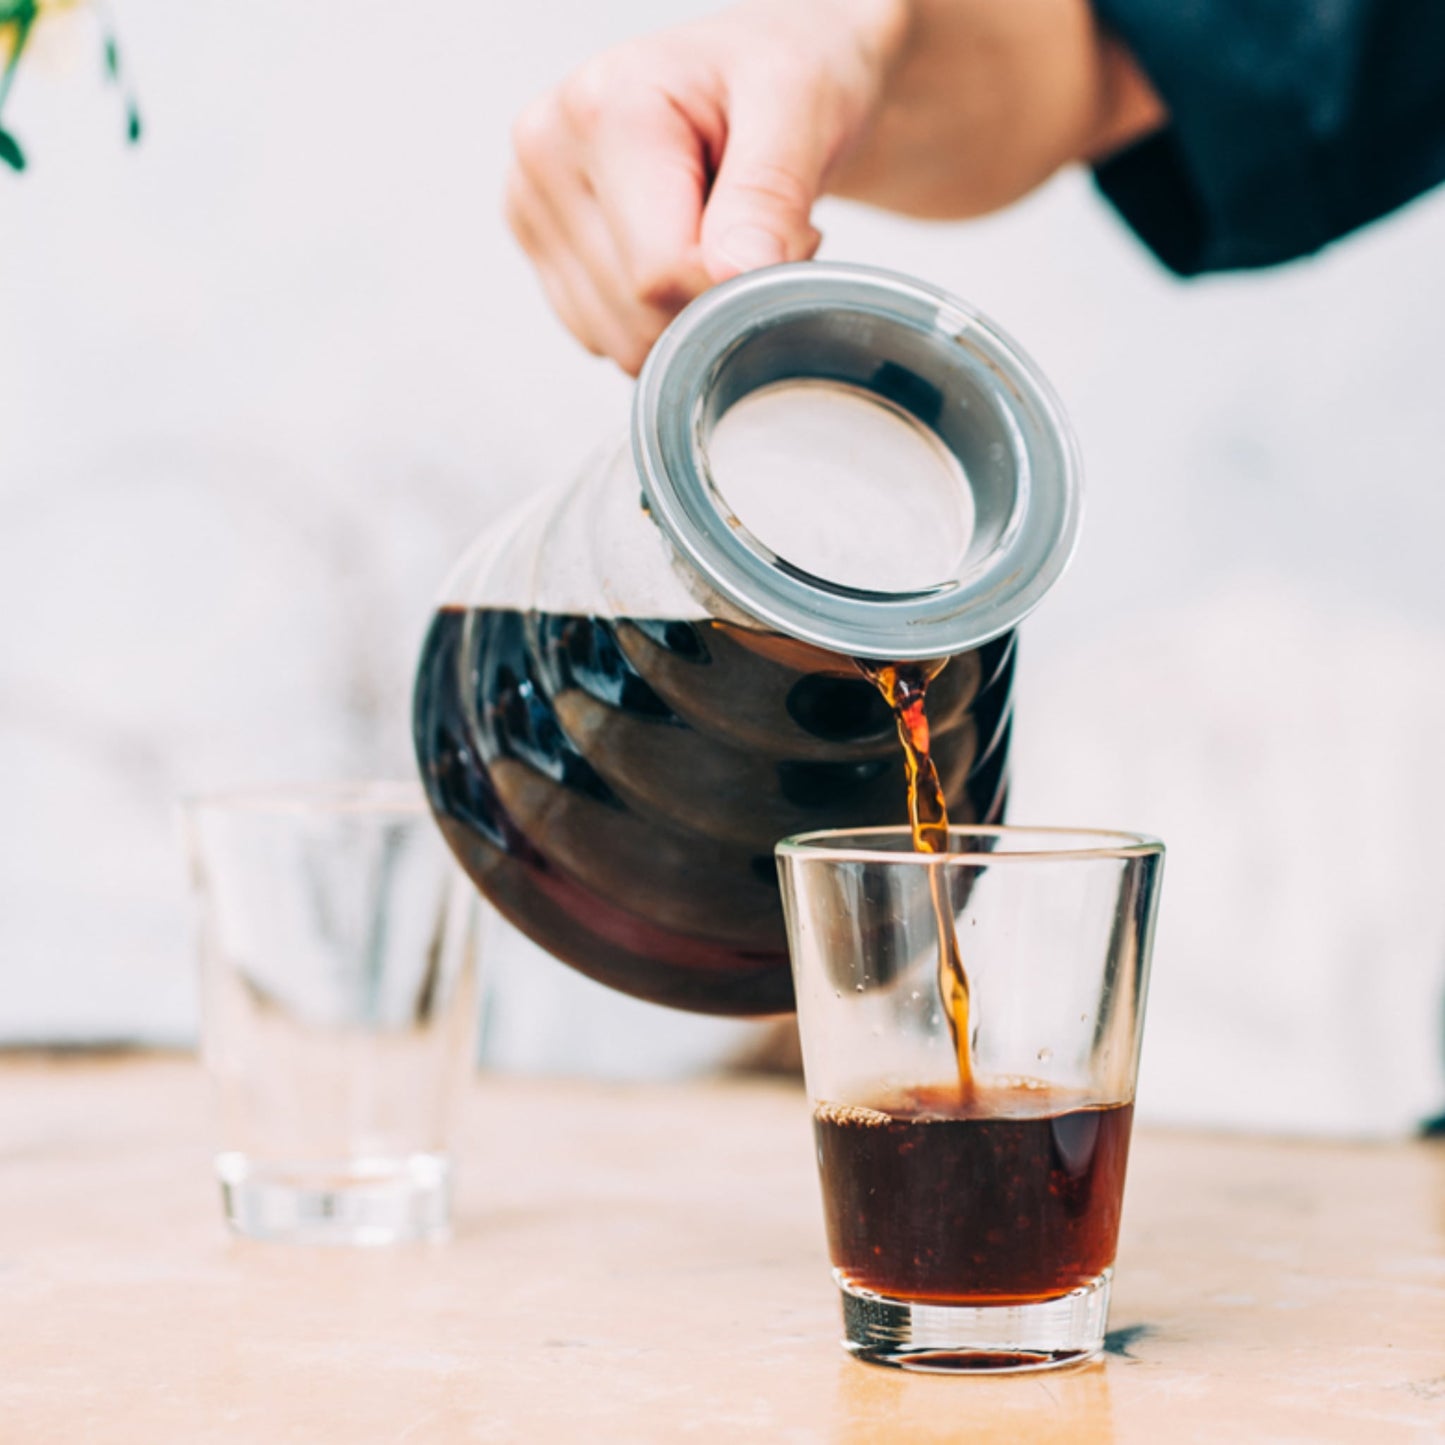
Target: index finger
column 648, row 168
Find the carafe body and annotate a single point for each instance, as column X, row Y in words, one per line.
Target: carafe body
column 617, row 716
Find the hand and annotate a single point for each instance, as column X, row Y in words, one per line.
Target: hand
column 686, row 157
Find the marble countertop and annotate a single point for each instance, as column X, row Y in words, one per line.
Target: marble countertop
column 646, row 1263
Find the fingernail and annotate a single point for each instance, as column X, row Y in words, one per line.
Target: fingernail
column 750, row 247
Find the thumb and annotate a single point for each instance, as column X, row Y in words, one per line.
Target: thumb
column 772, row 170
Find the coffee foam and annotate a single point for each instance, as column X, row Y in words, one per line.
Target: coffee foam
column 855, row 1115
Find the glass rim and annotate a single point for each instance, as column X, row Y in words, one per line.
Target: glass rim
column 850, row 845
column 344, row 797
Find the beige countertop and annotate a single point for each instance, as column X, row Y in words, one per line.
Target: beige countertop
column 639, row 1264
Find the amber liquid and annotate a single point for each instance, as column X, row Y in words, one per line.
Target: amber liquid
column 904, row 686
column 1009, row 1196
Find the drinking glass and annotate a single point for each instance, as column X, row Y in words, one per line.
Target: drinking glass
column 338, row 1007
column 972, row 1207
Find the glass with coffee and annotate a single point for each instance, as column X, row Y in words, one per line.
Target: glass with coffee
column 972, row 1141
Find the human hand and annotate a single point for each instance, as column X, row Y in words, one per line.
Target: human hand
column 683, row 158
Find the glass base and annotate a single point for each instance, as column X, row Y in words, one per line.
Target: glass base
column 356, row 1201
column 976, row 1339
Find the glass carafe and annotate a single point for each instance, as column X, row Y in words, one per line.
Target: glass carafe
column 635, row 685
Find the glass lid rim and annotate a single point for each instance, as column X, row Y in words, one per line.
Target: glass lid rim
column 938, row 621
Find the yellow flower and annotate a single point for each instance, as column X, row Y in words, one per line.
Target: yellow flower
column 46, row 41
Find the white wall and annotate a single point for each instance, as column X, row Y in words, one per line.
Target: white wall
column 261, row 378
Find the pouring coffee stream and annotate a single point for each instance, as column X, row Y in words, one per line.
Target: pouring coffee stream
column 904, row 687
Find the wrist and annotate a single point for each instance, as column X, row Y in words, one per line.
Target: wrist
column 1129, row 107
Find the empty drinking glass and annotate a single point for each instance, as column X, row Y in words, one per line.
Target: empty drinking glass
column 338, row 1007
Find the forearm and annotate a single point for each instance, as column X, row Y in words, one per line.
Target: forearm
column 985, row 99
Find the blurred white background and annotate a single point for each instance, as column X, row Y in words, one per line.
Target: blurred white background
column 262, row 377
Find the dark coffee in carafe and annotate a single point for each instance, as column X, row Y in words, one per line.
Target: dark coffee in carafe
column 616, row 786
column 634, row 689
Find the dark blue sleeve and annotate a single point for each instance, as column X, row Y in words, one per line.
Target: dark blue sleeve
column 1292, row 123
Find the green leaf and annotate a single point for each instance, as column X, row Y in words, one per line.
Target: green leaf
column 112, row 58
column 132, row 124
column 10, row 151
